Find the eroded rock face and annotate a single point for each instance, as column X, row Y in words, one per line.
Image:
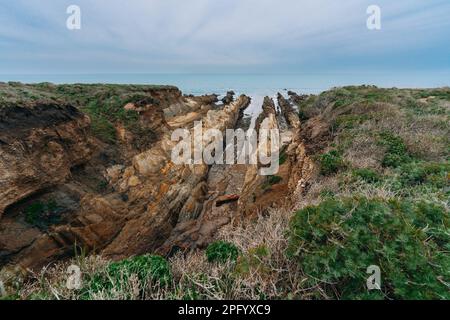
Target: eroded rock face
column 39, row 145
column 147, row 194
column 146, row 202
column 296, row 98
column 288, row 112
column 239, row 192
column 176, row 192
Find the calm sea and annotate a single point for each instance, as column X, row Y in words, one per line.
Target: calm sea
column 261, row 84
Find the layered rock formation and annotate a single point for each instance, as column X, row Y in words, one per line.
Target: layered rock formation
column 127, row 197
column 38, row 146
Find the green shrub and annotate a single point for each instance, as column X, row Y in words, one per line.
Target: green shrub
column 221, row 251
column 430, row 217
column 102, row 128
column 106, row 110
column 349, row 121
column 147, row 268
column 416, row 173
column 274, row 179
column 140, row 100
column 336, row 241
column 443, row 93
column 42, row 214
column 303, row 116
column 396, row 151
column 366, row 174
column 283, row 157
column 330, row 162
column 393, row 160
column 342, row 97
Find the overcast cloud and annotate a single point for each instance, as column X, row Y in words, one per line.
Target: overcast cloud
column 223, row 36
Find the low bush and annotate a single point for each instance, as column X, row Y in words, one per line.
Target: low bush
column 221, row 251
column 349, row 121
column 396, row 151
column 102, row 128
column 330, row 162
column 416, row 173
column 366, row 174
column 335, row 242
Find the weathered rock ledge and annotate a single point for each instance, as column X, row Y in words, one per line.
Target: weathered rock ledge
column 146, row 203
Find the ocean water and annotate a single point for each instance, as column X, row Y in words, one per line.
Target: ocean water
column 265, row 84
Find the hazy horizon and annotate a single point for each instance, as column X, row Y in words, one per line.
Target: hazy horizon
column 253, row 84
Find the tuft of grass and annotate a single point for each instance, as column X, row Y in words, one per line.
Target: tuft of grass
column 141, row 269
column 331, row 162
column 102, row 128
column 274, row 179
column 253, row 261
column 11, row 297
column 366, row 174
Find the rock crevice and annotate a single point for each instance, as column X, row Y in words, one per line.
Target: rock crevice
column 128, row 198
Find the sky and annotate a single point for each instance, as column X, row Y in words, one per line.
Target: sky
column 223, row 36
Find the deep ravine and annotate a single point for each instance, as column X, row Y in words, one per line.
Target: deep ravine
column 126, row 198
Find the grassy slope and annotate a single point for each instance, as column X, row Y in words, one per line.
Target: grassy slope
column 380, row 197
column 102, row 102
column 388, row 142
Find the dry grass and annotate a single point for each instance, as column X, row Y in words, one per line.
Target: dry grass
column 363, row 152
column 272, row 276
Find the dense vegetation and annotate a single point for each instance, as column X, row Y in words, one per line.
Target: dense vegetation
column 336, row 241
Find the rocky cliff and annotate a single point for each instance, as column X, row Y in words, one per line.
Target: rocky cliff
column 89, row 167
